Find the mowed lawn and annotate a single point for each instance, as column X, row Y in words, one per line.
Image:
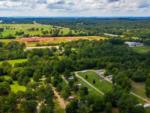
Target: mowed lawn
column 13, row 62
column 15, row 87
column 92, row 92
column 142, row 49
column 147, row 110
column 101, row 84
column 139, row 89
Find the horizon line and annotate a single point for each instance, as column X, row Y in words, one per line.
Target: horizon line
column 74, row 16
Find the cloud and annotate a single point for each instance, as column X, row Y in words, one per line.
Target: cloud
column 75, row 7
column 113, row 0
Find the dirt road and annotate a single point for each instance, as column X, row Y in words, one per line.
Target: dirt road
column 63, row 103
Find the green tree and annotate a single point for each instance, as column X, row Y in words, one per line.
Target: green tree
column 108, row 107
column 72, row 107
column 29, row 106
column 127, row 103
column 4, row 88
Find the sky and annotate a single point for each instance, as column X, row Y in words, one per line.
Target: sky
column 69, row 8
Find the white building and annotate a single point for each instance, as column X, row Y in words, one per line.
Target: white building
column 133, row 44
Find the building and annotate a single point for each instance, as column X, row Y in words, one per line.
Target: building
column 111, row 35
column 71, row 78
column 133, row 44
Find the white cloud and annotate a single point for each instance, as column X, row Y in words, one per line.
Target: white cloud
column 74, row 7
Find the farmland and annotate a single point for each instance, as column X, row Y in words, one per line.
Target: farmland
column 12, row 31
column 47, row 41
column 34, row 41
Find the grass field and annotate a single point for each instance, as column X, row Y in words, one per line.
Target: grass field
column 142, row 49
column 22, row 30
column 15, row 87
column 102, row 85
column 13, row 62
column 139, row 89
column 92, row 92
column 148, row 110
column 35, row 29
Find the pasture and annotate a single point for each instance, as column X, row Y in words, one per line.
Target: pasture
column 13, row 31
column 26, row 30
column 98, row 82
column 139, row 89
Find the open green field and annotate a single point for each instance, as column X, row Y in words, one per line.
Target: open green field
column 142, row 49
column 13, row 62
column 92, row 91
column 102, row 85
column 15, row 87
column 148, row 110
column 29, row 30
column 139, row 89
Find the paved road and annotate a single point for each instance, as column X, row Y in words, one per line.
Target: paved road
column 64, row 79
column 41, row 47
column 77, row 75
column 145, row 100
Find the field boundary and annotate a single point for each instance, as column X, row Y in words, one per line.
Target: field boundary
column 96, row 89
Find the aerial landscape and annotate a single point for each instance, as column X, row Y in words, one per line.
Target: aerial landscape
column 65, row 56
